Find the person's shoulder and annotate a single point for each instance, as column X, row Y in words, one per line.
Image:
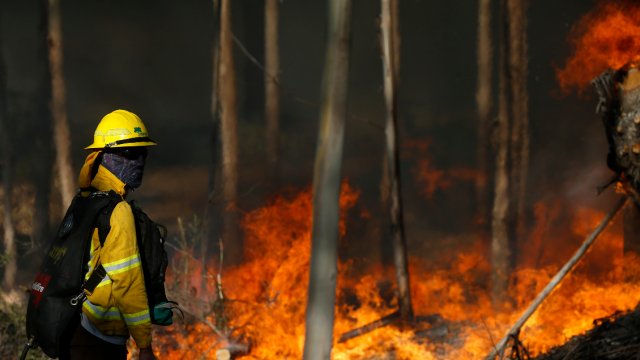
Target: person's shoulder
column 122, row 210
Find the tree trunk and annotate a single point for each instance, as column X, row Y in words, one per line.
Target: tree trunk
column 519, row 112
column 483, row 102
column 512, row 146
column 272, row 91
column 61, row 126
column 229, row 137
column 42, row 169
column 501, row 251
column 210, row 217
column 631, row 226
column 390, row 71
column 523, row 102
column 385, row 184
column 326, row 187
column 629, row 100
column 10, row 267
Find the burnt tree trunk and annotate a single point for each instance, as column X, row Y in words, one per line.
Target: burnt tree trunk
column 42, row 169
column 511, row 145
column 483, row 103
column 619, row 106
column 326, row 187
column 60, row 124
column 229, row 137
column 631, row 225
column 628, row 151
column 272, row 91
column 389, row 22
column 9, row 238
column 501, row 247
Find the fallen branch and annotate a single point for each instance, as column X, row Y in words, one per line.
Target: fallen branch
column 384, row 321
column 498, row 350
column 433, row 319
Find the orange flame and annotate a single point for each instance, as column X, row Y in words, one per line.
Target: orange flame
column 268, row 292
column 608, row 37
column 429, row 176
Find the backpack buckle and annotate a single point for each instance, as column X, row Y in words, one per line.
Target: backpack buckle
column 76, row 299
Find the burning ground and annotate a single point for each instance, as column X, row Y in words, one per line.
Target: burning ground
column 266, row 295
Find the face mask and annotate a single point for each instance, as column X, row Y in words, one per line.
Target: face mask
column 126, row 164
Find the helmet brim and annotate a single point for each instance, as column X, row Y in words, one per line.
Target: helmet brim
column 96, row 146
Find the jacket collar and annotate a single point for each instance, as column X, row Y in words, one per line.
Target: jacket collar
column 104, row 179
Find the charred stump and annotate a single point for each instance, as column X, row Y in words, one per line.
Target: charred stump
column 619, row 106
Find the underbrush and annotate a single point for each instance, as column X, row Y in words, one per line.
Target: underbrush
column 13, row 333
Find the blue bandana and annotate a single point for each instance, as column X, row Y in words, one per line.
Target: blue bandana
column 129, row 171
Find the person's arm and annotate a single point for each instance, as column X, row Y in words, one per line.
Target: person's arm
column 121, row 259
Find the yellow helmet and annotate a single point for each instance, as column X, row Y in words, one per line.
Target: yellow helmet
column 120, row 128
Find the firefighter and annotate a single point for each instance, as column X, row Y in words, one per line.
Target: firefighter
column 118, row 308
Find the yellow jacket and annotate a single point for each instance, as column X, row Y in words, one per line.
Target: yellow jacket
column 118, row 305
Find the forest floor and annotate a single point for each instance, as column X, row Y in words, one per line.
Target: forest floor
column 13, row 332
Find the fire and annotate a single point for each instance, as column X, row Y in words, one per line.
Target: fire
column 429, row 176
column 606, row 38
column 267, row 294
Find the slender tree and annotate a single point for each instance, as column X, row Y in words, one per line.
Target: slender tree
column 523, row 115
column 210, row 224
column 501, row 247
column 512, row 145
column 9, row 238
column 385, row 184
column 390, row 36
column 271, row 78
column 326, row 186
column 483, row 103
column 42, row 169
column 519, row 146
column 394, row 19
column 229, row 136
column 60, row 124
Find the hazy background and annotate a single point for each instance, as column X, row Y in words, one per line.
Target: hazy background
column 154, row 58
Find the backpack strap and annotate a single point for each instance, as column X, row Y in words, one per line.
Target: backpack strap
column 94, row 280
column 103, row 224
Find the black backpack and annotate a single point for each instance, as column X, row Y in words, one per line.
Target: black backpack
column 57, row 290
column 59, row 287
